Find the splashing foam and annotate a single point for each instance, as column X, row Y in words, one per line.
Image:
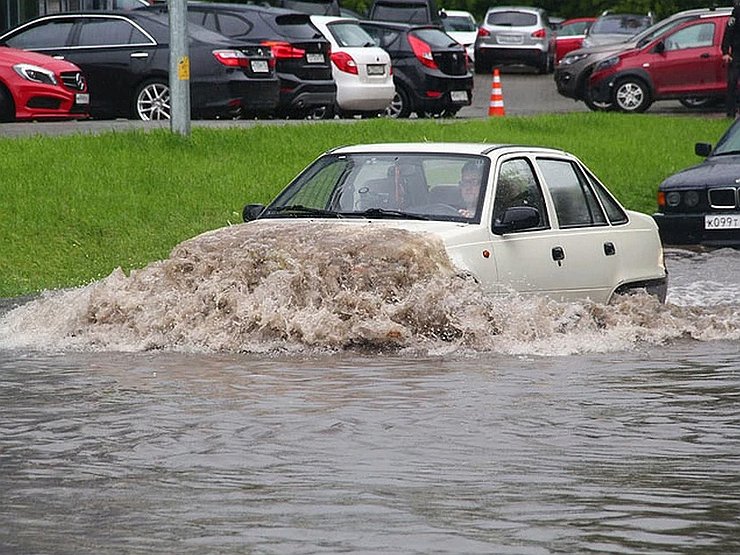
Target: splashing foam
column 298, row 286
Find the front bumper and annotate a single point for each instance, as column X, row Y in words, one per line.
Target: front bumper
column 566, row 83
column 688, row 229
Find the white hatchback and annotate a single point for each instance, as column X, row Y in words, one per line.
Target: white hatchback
column 530, row 219
column 362, row 70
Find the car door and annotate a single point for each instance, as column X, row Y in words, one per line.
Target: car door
column 689, row 60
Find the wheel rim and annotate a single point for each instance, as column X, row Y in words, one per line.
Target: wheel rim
column 153, row 102
column 396, row 106
column 630, row 96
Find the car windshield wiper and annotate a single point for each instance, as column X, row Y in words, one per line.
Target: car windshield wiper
column 306, row 210
column 383, row 213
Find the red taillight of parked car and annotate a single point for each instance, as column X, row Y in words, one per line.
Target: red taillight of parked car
column 483, row 32
column 284, row 50
column 539, row 34
column 344, row 62
column 423, row 52
column 232, row 58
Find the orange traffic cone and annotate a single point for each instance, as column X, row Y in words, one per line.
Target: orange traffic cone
column 496, row 106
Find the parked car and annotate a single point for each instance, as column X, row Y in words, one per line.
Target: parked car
column 430, row 69
column 302, row 54
column 515, row 35
column 125, row 57
column 701, row 204
column 683, row 62
column 461, row 26
column 531, row 219
column 313, row 7
column 418, row 12
column 35, row 86
column 570, row 35
column 573, row 71
column 610, row 28
column 361, row 70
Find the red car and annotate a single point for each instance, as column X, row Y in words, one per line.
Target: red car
column 36, row 86
column 684, row 62
column 570, row 35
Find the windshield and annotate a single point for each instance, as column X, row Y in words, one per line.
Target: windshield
column 619, row 25
column 416, row 186
column 730, row 142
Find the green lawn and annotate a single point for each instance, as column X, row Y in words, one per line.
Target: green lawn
column 76, row 207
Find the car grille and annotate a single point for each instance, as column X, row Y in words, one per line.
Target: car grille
column 724, row 198
column 73, row 80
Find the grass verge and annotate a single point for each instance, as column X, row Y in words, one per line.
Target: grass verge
column 76, row 207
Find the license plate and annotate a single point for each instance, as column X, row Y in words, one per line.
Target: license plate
column 459, row 96
column 259, row 66
column 315, row 58
column 722, row 221
column 376, row 69
column 509, row 39
column 82, row 98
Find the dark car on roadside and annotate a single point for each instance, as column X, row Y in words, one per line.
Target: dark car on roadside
column 573, row 71
column 125, row 57
column 302, row 54
column 685, row 61
column 701, row 204
column 38, row 87
column 430, row 69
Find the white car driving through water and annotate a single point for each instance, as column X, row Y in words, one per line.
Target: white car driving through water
column 530, row 219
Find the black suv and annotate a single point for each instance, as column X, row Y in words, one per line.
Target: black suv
column 430, row 69
column 302, row 54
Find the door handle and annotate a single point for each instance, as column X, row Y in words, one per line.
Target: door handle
column 139, row 55
column 609, row 249
column 558, row 255
column 58, row 57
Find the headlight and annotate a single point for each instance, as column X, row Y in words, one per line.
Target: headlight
column 673, row 199
column 606, row 64
column 35, row 73
column 572, row 59
column 691, row 198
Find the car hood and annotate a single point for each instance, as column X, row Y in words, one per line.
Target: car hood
column 715, row 170
column 603, row 49
column 11, row 56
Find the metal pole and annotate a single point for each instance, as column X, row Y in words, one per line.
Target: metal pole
column 179, row 68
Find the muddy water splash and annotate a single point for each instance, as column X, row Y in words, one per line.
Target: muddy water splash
column 302, row 287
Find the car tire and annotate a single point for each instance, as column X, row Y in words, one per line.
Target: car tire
column 595, row 105
column 7, row 107
column 152, row 101
column 631, row 95
column 400, row 106
column 697, row 102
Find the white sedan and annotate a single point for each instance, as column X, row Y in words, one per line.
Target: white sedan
column 530, row 219
column 361, row 69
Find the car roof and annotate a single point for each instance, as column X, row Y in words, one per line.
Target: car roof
column 442, row 148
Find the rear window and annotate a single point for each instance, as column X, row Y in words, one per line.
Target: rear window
column 404, row 13
column 350, row 34
column 434, row 38
column 314, row 7
column 294, row 26
column 512, row 18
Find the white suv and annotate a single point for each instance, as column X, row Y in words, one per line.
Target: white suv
column 515, row 35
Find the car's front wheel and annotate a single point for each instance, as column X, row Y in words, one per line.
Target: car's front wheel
column 152, row 101
column 7, row 108
column 596, row 105
column 631, row 95
column 400, row 106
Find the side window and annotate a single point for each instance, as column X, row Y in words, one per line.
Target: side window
column 575, row 203
column 614, row 211
column 52, row 34
column 516, row 185
column 110, row 32
column 202, row 19
column 695, row 36
column 233, row 26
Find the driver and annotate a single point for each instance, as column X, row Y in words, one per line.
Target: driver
column 471, row 176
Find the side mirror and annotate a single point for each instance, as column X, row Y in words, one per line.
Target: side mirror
column 252, row 212
column 516, row 218
column 702, row 149
column 659, row 48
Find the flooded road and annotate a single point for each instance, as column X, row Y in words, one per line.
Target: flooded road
column 531, row 428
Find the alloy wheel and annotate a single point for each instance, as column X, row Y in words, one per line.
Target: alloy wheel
column 153, row 102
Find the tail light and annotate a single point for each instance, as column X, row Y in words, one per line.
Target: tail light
column 284, row 49
column 538, row 34
column 422, row 51
column 344, row 62
column 232, row 58
column 483, row 32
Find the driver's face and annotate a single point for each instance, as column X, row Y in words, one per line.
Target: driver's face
column 469, row 187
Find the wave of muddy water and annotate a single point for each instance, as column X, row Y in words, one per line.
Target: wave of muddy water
column 327, row 288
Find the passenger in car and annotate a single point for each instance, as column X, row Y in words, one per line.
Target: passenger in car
column 471, row 177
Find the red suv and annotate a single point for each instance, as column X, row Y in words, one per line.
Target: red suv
column 685, row 62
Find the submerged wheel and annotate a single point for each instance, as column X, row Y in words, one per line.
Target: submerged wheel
column 152, row 101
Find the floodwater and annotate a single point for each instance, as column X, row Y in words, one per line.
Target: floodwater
column 284, row 399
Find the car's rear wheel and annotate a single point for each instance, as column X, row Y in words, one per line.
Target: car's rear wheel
column 400, row 106
column 152, row 101
column 697, row 102
column 632, row 95
column 7, row 108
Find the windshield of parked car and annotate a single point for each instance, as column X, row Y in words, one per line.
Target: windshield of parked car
column 350, row 34
column 458, row 23
column 436, row 186
column 619, row 25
